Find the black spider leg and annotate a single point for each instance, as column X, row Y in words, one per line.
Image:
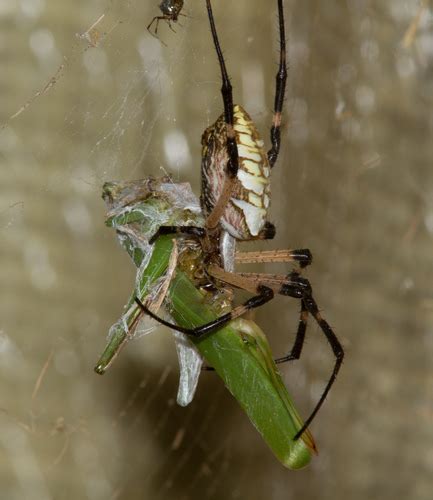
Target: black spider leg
column 232, row 149
column 280, row 89
column 199, row 232
column 299, row 287
column 295, row 352
column 265, row 294
column 170, row 26
column 267, row 233
column 296, row 287
column 227, row 95
column 157, row 19
column 304, row 257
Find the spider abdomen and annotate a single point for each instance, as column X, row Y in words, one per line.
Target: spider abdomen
column 171, row 8
column 246, row 214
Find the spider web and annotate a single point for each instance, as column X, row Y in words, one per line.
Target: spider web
column 90, row 96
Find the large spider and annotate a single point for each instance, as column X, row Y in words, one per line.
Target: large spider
column 235, row 199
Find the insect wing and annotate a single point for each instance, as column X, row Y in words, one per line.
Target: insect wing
column 190, row 363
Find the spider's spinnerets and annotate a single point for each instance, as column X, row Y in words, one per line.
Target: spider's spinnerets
column 246, row 214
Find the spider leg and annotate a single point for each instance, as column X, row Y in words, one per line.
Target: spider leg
column 155, row 31
column 267, row 233
column 170, row 26
column 275, row 281
column 232, row 149
column 200, row 232
column 151, row 22
column 264, row 294
column 280, row 88
column 302, row 255
column 300, row 287
column 294, row 285
column 295, row 352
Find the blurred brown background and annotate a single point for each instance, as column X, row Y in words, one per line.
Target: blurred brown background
column 354, row 183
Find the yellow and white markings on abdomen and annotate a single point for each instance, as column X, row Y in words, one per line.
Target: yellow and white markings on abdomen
column 246, row 213
column 253, row 172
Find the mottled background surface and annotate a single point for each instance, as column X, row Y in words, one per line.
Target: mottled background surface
column 354, row 183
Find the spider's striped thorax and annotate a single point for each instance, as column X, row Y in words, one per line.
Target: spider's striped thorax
column 246, row 213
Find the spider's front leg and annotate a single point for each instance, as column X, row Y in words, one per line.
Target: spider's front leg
column 280, row 87
column 232, row 164
column 199, row 232
column 267, row 233
column 235, row 166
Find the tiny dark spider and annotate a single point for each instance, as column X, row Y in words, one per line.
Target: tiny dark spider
column 235, row 198
column 170, row 12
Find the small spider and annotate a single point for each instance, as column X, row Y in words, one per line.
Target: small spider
column 170, row 12
column 235, row 199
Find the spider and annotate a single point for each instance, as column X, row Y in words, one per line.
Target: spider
column 170, row 12
column 235, row 197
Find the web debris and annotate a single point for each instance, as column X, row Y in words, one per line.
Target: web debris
column 93, row 37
